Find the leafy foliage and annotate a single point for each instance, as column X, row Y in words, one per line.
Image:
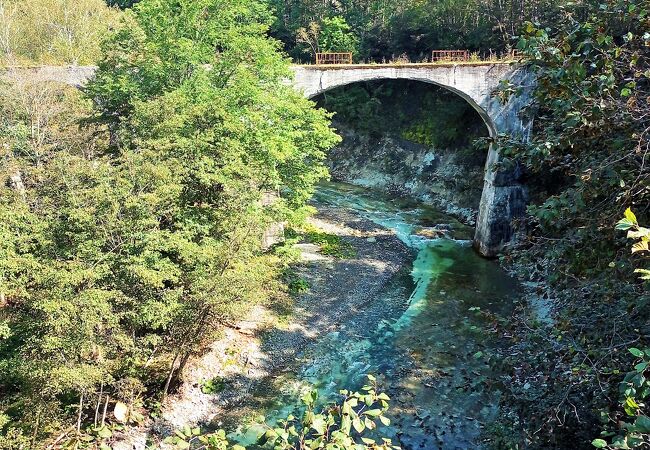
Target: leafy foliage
column 584, row 164
column 335, row 426
column 332, row 35
column 128, row 243
column 635, row 387
column 641, row 234
column 415, row 111
column 388, row 29
column 53, row 31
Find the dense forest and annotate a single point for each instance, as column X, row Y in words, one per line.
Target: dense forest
column 132, row 211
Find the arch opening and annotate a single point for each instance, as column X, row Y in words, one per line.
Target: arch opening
column 410, row 137
column 489, row 123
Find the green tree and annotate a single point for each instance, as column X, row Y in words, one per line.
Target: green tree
column 218, row 129
column 336, row 36
column 61, row 334
column 124, row 255
column 387, row 29
column 53, row 31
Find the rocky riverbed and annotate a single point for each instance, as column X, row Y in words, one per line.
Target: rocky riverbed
column 253, row 354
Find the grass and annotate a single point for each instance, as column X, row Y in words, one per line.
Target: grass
column 213, row 386
column 330, row 244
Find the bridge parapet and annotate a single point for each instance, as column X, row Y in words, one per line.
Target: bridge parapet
column 76, row 76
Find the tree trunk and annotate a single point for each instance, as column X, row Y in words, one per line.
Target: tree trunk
column 170, row 376
column 81, row 407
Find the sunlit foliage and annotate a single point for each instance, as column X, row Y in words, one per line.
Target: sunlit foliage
column 53, row 31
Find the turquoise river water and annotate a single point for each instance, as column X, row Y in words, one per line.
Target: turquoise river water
column 432, row 350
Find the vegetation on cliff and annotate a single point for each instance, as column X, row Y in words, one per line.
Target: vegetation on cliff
column 586, row 163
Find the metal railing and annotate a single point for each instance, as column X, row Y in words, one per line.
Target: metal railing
column 333, row 58
column 449, row 55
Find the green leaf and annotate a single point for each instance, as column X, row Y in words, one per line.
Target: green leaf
column 638, row 234
column 624, row 225
column 319, row 425
column 183, row 445
column 636, row 352
column 385, row 420
column 346, row 424
column 641, row 246
column 642, row 424
column 645, row 273
column 358, row 425
column 629, row 215
column 599, row 443
column 104, row 433
column 180, row 434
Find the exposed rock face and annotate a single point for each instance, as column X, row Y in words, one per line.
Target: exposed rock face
column 448, row 179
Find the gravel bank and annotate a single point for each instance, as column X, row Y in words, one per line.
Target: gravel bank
column 249, row 358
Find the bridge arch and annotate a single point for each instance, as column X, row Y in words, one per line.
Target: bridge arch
column 304, row 81
column 487, row 120
column 504, row 199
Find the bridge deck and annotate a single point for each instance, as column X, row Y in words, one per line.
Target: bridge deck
column 315, row 66
column 406, row 65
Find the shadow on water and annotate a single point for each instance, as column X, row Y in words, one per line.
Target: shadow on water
column 428, row 334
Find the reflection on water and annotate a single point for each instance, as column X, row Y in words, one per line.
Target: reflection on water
column 432, row 356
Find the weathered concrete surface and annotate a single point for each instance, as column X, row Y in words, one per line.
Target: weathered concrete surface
column 504, row 198
column 474, row 83
column 73, row 75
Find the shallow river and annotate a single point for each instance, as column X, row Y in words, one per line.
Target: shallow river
column 431, row 356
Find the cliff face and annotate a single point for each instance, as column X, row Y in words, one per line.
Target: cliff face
column 450, row 179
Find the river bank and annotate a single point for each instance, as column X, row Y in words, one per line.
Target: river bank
column 242, row 368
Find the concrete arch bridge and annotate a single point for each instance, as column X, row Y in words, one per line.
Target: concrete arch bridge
column 503, row 199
